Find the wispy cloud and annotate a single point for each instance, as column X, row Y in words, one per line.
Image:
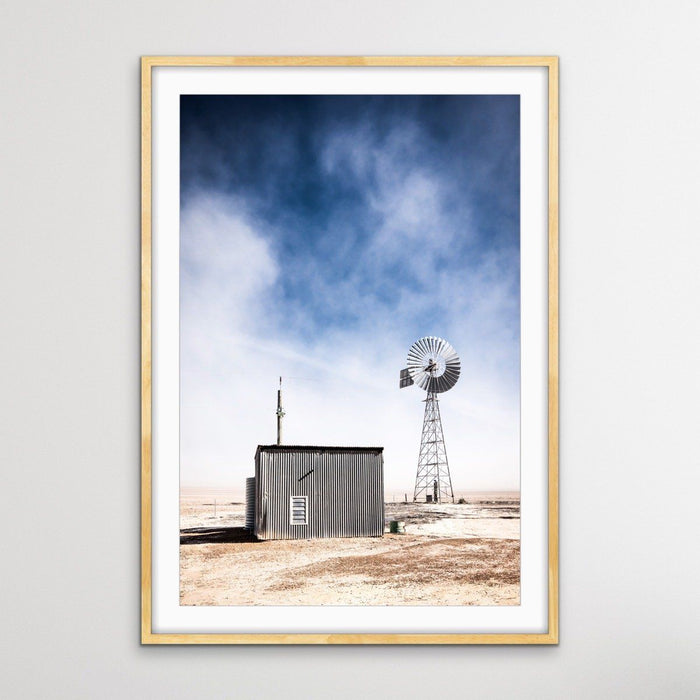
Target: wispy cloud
column 326, row 264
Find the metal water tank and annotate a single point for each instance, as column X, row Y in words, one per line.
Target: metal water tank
column 250, row 503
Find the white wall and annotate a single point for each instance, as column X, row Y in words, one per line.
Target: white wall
column 69, row 347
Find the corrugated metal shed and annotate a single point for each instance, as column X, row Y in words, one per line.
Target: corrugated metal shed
column 304, row 492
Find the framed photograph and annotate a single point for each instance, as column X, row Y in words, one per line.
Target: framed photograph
column 349, row 350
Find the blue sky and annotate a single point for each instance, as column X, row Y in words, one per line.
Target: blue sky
column 320, row 237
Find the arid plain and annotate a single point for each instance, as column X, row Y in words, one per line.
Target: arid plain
column 450, row 554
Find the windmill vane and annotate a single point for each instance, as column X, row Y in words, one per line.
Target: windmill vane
column 432, row 365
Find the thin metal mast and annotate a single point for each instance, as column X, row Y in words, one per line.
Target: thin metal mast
column 280, row 413
column 433, row 472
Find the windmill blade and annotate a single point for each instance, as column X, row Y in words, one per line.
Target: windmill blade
column 433, row 364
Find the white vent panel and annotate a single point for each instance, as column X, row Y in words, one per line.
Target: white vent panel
column 298, row 508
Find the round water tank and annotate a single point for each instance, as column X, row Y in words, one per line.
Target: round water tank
column 250, row 503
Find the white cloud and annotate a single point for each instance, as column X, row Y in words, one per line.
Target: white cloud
column 341, row 386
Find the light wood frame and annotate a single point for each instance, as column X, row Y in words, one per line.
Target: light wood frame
column 148, row 63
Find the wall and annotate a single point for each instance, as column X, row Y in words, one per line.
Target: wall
column 630, row 178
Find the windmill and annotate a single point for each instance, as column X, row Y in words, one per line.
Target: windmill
column 434, row 366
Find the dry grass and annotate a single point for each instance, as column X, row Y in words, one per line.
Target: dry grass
column 451, row 555
column 491, row 562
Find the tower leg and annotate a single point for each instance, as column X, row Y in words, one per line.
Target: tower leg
column 433, row 472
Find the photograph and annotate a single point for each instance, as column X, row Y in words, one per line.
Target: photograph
column 349, row 349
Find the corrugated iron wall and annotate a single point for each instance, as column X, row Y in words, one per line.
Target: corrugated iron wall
column 344, row 488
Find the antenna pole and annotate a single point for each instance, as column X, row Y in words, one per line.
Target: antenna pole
column 280, row 413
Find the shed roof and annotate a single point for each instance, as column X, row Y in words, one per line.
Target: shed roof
column 316, row 448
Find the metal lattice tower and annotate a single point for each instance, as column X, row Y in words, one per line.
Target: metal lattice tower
column 433, row 474
column 433, row 365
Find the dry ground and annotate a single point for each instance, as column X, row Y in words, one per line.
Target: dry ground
column 450, row 555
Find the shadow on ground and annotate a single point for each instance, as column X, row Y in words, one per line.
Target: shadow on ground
column 215, row 535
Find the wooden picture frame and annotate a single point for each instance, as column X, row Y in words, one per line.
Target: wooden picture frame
column 149, row 635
